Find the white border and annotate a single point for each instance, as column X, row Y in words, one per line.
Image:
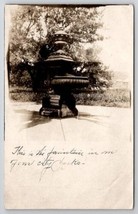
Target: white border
column 2, row 3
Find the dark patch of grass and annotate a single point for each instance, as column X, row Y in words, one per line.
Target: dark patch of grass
column 111, row 97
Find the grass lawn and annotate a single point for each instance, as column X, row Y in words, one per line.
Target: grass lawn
column 111, row 97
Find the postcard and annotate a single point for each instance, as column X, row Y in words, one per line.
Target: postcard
column 69, row 107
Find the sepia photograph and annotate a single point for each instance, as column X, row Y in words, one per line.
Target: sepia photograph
column 69, row 107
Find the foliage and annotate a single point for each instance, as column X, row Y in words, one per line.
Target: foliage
column 32, row 27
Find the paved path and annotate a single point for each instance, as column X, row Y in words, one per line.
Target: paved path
column 97, row 124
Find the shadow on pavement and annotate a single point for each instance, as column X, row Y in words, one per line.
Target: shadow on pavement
column 84, row 114
column 98, row 119
column 32, row 118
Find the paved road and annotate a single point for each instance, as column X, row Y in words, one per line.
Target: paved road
column 97, row 124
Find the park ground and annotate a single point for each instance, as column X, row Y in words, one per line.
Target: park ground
column 94, row 123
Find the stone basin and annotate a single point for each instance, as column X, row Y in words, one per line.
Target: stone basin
column 72, row 81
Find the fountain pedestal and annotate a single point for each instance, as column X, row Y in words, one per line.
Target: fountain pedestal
column 58, row 106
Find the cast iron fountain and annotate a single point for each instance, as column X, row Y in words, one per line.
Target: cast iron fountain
column 61, row 79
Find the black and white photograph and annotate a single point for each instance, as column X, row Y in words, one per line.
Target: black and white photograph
column 69, row 106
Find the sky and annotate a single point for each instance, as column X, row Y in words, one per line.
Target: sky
column 117, row 49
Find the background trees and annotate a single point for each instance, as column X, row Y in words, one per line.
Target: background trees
column 32, row 27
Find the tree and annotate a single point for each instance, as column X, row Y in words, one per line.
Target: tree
column 32, row 27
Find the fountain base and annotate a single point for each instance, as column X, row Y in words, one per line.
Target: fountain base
column 58, row 106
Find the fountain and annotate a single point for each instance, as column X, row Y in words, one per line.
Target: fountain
column 60, row 101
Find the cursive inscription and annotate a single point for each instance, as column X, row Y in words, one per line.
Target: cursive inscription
column 51, row 160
